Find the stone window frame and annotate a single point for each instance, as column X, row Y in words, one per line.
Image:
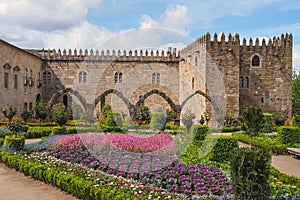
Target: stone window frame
column 155, row 78
column 82, row 77
column 253, row 57
column 16, row 77
column 16, row 81
column 118, row 78
column 244, row 82
column 47, row 77
column 247, row 82
column 6, row 68
column 241, row 82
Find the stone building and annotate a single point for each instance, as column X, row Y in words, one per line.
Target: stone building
column 210, row 76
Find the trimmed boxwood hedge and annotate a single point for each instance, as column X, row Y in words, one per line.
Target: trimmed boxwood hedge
column 289, row 135
column 14, row 142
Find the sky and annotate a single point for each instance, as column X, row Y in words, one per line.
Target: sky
column 132, row 24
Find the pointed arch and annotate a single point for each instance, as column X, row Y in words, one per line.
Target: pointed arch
column 101, row 98
column 71, row 91
column 141, row 100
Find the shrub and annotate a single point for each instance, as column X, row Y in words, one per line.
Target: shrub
column 200, row 132
column 59, row 130
column 230, row 121
column 250, row 170
column 289, row 135
column 60, row 114
column 158, row 121
column 14, row 142
column 296, row 120
column 143, row 114
column 42, row 110
column 10, row 112
column 280, row 117
column 26, row 114
column 268, row 123
column 224, row 148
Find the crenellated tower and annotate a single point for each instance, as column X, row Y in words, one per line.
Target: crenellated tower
column 254, row 72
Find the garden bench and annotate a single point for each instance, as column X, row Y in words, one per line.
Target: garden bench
column 294, row 151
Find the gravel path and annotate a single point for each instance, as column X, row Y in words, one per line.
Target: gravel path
column 14, row 186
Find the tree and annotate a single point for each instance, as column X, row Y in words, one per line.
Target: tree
column 60, row 114
column 10, row 112
column 42, row 110
column 253, row 118
column 296, row 93
column 26, row 114
column 143, row 114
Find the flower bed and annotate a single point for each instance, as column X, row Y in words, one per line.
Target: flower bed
column 151, row 143
column 159, row 170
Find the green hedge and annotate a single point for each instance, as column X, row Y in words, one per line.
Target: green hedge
column 268, row 123
column 59, row 130
column 261, row 142
column 289, row 135
column 38, row 132
column 14, row 142
column 200, row 132
column 224, row 148
column 250, row 170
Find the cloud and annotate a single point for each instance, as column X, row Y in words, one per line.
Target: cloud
column 296, row 58
column 85, row 36
column 44, row 15
column 175, row 17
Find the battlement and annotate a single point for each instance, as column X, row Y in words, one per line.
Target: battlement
column 95, row 55
column 284, row 42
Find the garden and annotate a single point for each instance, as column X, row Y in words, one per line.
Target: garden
column 107, row 157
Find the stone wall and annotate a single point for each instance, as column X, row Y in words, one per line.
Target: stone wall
column 15, row 61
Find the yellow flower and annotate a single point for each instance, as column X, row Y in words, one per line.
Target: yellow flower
column 293, row 186
column 279, row 182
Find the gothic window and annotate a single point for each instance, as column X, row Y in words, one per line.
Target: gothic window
column 82, row 78
column 26, row 74
column 6, row 79
column 30, row 106
column 16, row 81
column 255, row 61
column 241, row 82
column 65, row 100
column 246, row 82
column 118, row 77
column 30, row 74
column 156, row 78
column 47, row 77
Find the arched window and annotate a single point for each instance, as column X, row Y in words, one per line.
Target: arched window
column 118, row 77
column 255, row 61
column 247, row 82
column 82, row 77
column 156, row 78
column 47, row 77
column 241, row 82
column 65, row 100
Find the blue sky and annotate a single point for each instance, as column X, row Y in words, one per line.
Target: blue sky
column 92, row 23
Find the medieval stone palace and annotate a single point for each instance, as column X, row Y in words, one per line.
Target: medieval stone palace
column 209, row 75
